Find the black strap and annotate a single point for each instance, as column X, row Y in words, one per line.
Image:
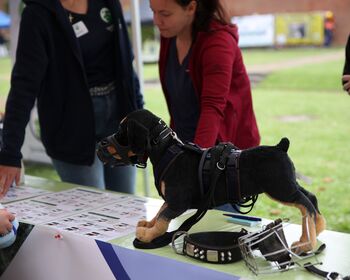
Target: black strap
column 204, row 172
column 213, row 246
column 232, row 176
column 166, row 161
column 327, row 275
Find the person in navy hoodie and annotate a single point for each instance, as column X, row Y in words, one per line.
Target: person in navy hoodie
column 73, row 60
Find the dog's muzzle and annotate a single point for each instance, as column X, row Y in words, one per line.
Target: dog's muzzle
column 121, row 151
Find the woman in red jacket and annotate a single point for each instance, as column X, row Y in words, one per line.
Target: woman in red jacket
column 203, row 77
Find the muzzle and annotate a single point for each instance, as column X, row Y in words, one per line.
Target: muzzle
column 267, row 251
column 121, row 151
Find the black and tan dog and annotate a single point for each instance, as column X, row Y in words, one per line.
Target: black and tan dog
column 263, row 169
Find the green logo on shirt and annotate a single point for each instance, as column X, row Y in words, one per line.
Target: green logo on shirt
column 106, row 15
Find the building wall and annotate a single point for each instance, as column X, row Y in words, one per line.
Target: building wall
column 340, row 8
column 3, row 4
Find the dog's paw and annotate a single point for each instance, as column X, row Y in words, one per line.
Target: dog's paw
column 144, row 234
column 146, row 224
column 299, row 247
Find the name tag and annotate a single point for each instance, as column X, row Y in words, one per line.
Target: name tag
column 80, row 29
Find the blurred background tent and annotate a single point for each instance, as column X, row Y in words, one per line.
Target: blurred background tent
column 5, row 20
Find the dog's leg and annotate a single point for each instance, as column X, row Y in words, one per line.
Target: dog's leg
column 147, row 234
column 147, row 231
column 320, row 220
column 149, row 224
column 307, row 240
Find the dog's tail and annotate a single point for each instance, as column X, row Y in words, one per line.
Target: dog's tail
column 283, row 144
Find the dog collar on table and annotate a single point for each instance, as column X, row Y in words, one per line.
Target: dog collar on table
column 213, row 247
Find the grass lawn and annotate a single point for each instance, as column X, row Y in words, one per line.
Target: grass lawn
column 306, row 105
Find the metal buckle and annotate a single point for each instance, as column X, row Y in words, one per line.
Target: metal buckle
column 176, row 246
column 339, row 276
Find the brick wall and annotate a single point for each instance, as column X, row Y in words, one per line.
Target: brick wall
column 340, row 8
column 2, row 4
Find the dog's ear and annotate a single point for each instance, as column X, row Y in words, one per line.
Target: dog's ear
column 138, row 136
column 283, row 144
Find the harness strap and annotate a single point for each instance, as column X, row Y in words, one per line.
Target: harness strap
column 204, row 172
column 166, row 161
column 232, row 176
column 324, row 274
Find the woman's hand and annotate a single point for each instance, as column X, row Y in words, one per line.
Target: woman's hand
column 8, row 174
column 6, row 219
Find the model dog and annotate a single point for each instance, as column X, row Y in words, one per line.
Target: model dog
column 263, row 169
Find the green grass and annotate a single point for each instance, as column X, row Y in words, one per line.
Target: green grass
column 316, row 77
column 319, row 147
column 319, row 144
column 5, row 66
column 267, row 56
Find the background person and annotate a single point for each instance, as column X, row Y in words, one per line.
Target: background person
column 3, row 47
column 346, row 71
column 329, row 25
column 74, row 58
column 203, row 77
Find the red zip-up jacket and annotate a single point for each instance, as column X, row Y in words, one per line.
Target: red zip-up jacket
column 221, row 82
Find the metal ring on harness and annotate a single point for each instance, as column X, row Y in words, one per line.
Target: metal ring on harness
column 220, row 167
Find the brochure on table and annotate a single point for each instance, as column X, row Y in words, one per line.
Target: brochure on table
column 84, row 211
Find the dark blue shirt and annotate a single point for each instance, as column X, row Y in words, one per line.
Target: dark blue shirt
column 184, row 104
column 97, row 44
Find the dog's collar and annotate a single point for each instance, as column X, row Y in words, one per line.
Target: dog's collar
column 213, row 247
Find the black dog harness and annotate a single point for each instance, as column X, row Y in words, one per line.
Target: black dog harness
column 229, row 165
column 218, row 161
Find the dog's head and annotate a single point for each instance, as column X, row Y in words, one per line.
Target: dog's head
column 132, row 141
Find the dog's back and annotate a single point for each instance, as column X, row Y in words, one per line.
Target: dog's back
column 265, row 166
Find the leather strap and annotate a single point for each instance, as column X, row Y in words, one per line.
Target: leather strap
column 166, row 161
column 213, row 247
column 326, row 275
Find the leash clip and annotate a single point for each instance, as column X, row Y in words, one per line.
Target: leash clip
column 329, row 276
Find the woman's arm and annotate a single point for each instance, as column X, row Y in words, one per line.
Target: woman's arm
column 27, row 78
column 217, row 66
